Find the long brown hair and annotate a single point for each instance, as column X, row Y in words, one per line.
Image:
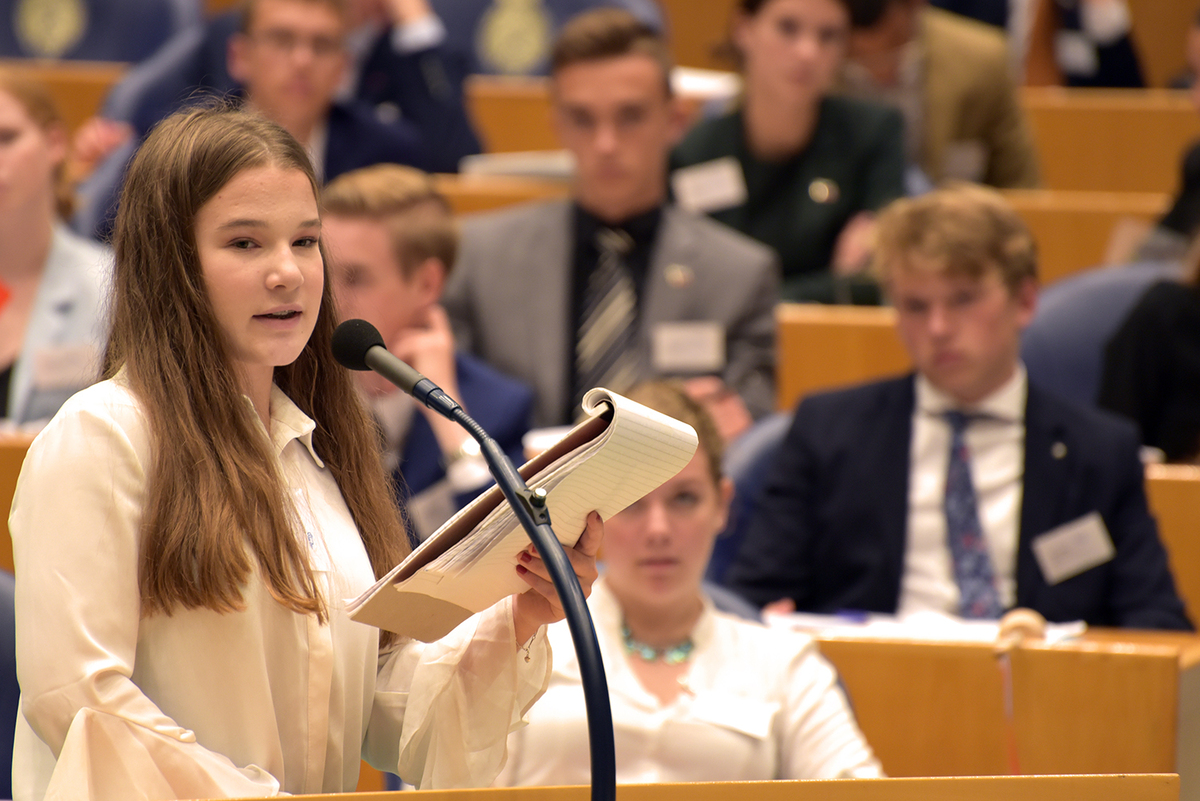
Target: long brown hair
column 39, row 104
column 215, row 496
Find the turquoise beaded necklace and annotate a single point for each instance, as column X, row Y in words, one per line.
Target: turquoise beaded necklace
column 672, row 655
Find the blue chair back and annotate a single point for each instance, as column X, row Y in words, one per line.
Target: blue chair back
column 1063, row 348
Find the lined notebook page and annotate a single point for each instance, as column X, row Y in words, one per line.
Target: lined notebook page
column 635, row 453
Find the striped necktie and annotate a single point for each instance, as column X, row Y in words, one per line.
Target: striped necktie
column 973, row 572
column 605, row 355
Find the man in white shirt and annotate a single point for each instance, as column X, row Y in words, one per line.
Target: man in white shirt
column 961, row 489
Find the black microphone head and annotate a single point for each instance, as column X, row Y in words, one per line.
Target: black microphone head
column 351, row 341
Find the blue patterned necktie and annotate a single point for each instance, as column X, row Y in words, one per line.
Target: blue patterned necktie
column 968, row 548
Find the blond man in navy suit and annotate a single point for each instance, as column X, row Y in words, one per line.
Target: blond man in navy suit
column 855, row 513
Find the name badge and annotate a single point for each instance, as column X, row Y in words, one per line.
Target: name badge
column 710, row 186
column 65, row 366
column 687, row 347
column 1073, row 547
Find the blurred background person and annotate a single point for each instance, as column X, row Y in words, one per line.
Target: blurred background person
column 398, row 64
column 795, row 167
column 697, row 694
column 1067, row 42
column 289, row 58
column 392, row 242
column 1151, row 371
column 52, row 283
column 950, row 78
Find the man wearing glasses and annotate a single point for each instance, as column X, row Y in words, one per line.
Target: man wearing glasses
column 290, row 58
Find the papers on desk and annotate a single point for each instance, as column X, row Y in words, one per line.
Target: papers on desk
column 921, row 626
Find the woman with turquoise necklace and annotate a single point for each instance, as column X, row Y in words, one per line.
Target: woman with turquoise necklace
column 697, row 695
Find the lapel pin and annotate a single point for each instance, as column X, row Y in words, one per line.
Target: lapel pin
column 1058, row 450
column 823, row 190
column 679, row 275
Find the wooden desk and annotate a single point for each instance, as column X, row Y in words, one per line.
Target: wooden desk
column 12, row 454
column 1110, row 140
column 698, row 30
column 1174, row 494
column 1114, row 701
column 473, row 193
column 1153, row 787
column 1074, row 229
column 1160, row 36
column 513, row 114
column 821, row 347
column 78, row 87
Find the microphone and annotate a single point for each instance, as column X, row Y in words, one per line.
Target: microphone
column 358, row 345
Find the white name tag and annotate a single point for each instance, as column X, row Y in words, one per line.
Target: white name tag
column 1073, row 548
column 65, row 366
column 688, row 347
column 713, row 185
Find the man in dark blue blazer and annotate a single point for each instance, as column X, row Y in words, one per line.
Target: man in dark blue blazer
column 854, row 513
column 391, row 240
column 400, row 66
column 288, row 60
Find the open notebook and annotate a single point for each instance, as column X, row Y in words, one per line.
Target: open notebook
column 617, row 454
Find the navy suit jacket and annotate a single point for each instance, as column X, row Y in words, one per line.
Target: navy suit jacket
column 830, row 526
column 502, row 405
column 357, row 138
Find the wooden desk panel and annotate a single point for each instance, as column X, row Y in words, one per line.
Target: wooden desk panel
column 474, row 193
column 78, row 87
column 12, row 455
column 698, row 29
column 1116, row 701
column 821, row 347
column 1075, row 229
column 1159, row 34
column 511, row 114
column 1110, row 140
column 514, row 114
column 1173, row 491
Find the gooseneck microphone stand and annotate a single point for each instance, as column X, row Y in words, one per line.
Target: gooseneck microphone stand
column 357, row 345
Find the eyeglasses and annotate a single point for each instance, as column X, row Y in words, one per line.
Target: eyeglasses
column 284, row 42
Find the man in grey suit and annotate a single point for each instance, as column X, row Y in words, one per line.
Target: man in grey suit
column 617, row 284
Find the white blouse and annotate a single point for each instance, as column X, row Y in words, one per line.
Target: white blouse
column 198, row 704
column 757, row 704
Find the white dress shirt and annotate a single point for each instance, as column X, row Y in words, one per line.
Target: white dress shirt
column 996, row 444
column 757, row 704
column 201, row 704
